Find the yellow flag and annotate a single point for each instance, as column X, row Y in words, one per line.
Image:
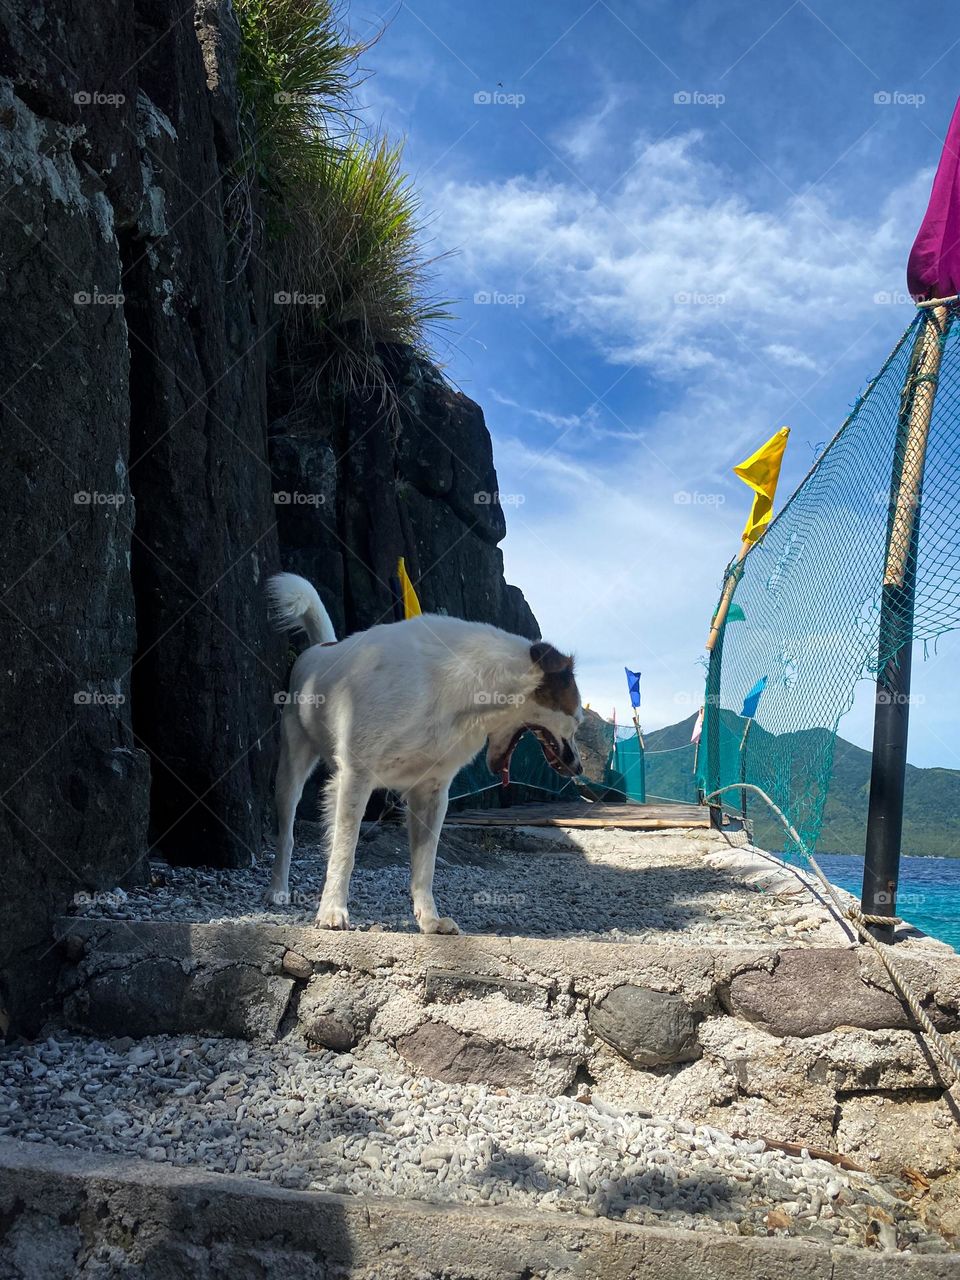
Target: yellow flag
column 761, row 471
column 411, row 605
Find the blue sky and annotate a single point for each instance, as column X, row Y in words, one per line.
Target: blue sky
column 673, row 229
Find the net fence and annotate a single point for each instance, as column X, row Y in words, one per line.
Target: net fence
column 858, row 529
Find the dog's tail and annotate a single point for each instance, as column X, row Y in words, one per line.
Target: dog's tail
column 294, row 603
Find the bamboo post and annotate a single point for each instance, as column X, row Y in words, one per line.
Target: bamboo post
column 723, row 608
column 641, row 760
column 881, row 870
column 711, row 718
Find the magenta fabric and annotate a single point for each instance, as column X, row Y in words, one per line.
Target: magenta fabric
column 933, row 268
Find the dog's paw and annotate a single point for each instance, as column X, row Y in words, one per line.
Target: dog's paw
column 333, row 918
column 438, row 924
column 277, row 898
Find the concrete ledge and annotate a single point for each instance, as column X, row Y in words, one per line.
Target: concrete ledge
column 64, row 1214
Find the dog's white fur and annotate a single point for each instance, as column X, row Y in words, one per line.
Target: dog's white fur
column 401, row 706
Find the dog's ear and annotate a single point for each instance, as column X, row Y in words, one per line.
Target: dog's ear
column 550, row 660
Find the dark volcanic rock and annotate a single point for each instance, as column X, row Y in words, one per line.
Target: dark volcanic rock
column 331, row 1032
column 205, row 531
column 812, row 991
column 648, row 1028
column 158, row 996
column 73, row 779
column 359, row 482
column 140, row 674
column 457, row 1057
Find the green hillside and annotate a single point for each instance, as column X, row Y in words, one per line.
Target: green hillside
column 932, row 808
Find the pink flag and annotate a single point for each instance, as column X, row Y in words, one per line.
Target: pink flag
column 933, row 268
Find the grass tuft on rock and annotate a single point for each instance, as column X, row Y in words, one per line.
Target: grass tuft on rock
column 345, row 236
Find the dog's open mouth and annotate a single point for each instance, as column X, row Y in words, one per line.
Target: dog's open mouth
column 552, row 751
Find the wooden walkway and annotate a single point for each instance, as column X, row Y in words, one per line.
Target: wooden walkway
column 628, row 817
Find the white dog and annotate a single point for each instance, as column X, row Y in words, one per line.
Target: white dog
column 404, row 706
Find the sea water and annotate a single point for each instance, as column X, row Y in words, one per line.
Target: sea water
column 929, row 893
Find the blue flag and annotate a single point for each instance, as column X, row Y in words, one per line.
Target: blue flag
column 633, row 684
column 752, row 699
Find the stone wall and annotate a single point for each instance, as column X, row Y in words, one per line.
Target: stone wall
column 138, row 333
column 803, row 1046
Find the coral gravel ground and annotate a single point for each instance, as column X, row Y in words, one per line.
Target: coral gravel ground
column 325, row 1121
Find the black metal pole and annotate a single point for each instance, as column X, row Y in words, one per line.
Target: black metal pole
column 881, row 870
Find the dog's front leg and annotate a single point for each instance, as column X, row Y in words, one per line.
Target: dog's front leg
column 346, row 798
column 426, row 807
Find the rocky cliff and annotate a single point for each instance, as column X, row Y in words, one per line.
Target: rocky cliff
column 146, row 452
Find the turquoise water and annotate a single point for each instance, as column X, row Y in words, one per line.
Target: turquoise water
column 929, row 895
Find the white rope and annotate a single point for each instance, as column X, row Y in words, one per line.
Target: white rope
column 860, row 921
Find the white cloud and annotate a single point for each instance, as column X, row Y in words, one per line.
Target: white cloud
column 675, row 268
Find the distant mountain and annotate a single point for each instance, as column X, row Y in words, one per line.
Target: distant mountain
column 931, row 811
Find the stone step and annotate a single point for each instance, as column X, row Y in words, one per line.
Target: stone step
column 802, row 1045
column 62, row 1212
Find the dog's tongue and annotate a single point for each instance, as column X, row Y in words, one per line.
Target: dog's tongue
column 505, row 775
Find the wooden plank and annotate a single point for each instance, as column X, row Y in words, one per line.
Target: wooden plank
column 630, row 817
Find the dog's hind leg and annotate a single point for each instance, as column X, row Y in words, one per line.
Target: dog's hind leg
column 346, row 798
column 426, row 808
column 298, row 758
